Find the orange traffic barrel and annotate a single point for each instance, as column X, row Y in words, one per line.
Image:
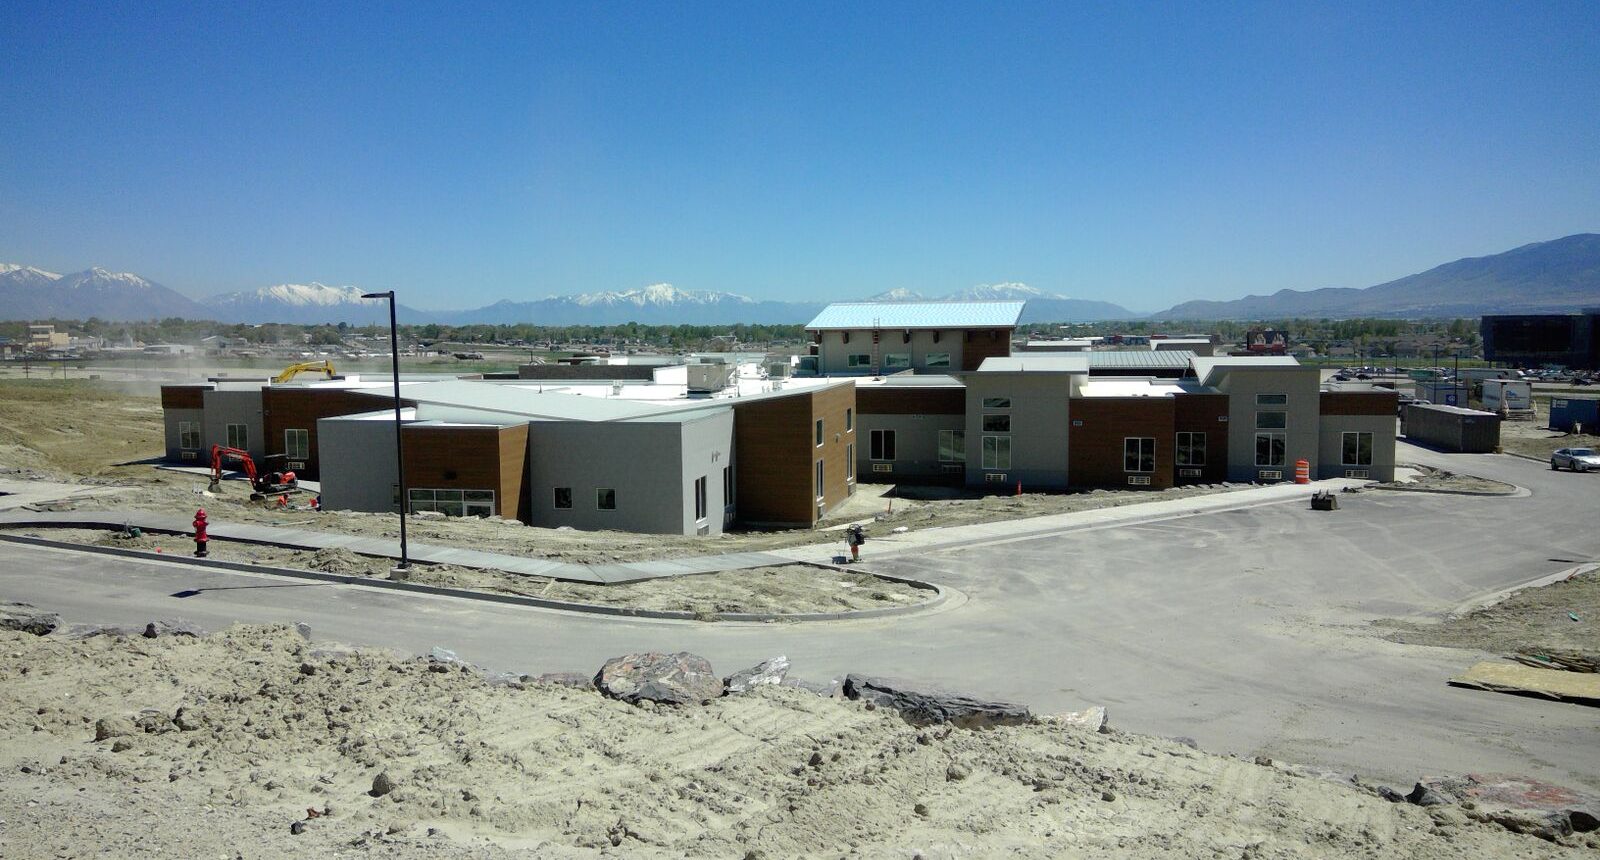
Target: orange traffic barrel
column 1302, row 472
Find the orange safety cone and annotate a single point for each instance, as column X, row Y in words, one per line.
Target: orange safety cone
column 1302, row 471
column 1019, row 488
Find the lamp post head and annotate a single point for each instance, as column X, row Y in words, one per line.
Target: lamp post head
column 389, row 294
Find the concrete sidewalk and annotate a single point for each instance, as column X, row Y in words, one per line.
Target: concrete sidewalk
column 925, row 540
column 1005, row 531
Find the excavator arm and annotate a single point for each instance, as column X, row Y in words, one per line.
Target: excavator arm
column 289, row 373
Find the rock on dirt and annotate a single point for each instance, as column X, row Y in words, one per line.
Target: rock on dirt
column 924, row 706
column 1090, row 719
column 673, row 679
column 766, row 672
column 172, row 627
column 28, row 619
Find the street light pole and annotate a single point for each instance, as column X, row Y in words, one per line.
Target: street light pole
column 399, row 445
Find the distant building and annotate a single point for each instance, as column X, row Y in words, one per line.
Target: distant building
column 1266, row 341
column 45, row 337
column 1534, row 340
column 873, row 338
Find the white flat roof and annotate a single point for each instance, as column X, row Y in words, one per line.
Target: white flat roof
column 1100, row 386
column 1040, row 362
column 892, row 315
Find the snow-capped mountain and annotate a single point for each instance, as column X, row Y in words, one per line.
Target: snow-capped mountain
column 655, row 295
column 309, row 304
column 657, row 304
column 1041, row 307
column 30, row 293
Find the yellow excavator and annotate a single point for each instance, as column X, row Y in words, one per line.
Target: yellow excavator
column 289, row 373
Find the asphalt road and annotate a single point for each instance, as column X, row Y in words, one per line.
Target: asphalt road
column 1246, row 630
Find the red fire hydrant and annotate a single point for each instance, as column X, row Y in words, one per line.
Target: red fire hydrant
column 200, row 536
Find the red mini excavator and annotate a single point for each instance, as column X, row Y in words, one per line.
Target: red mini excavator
column 262, row 486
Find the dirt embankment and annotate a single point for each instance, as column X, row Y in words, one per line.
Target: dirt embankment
column 1432, row 480
column 257, row 743
column 1563, row 616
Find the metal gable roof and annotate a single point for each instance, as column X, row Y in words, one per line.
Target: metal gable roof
column 1140, row 359
column 892, row 315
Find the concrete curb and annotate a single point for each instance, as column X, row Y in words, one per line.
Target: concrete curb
column 941, row 595
column 1514, row 492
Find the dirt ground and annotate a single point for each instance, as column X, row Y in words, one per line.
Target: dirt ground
column 57, row 430
column 1536, row 439
column 254, row 742
column 1535, row 620
column 1434, row 480
column 783, row 590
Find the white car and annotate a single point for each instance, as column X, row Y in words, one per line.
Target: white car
column 1576, row 459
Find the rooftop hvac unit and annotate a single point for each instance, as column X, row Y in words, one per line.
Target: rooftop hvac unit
column 1189, row 473
column 1139, row 480
column 1274, row 475
column 1357, row 473
column 779, row 369
column 706, row 378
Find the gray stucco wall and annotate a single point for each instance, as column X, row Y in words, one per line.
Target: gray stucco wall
column 234, row 407
column 171, row 419
column 1039, row 427
column 707, row 448
column 358, row 468
column 916, row 446
column 835, row 352
column 643, row 461
column 1302, row 385
column 1331, row 447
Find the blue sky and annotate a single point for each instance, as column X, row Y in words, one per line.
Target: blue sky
column 1141, row 154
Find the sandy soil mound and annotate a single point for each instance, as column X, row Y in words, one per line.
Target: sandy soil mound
column 1562, row 616
column 255, row 742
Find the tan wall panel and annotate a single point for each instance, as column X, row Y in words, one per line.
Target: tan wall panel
column 299, row 408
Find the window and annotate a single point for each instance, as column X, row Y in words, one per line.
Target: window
column 997, row 452
column 997, row 403
column 699, row 498
column 1272, row 420
column 452, row 503
column 952, row 446
column 189, row 435
column 1272, row 399
column 997, row 423
column 297, row 444
column 859, row 359
column 605, row 499
column 238, row 436
column 849, row 419
column 850, row 462
column 819, row 432
column 727, row 486
column 819, row 480
column 1357, row 449
column 1270, row 449
column 937, row 359
column 897, row 360
column 1191, row 449
column 1138, row 454
column 882, row 445
column 563, row 498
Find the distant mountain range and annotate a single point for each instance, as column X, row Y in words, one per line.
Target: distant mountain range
column 1556, row 276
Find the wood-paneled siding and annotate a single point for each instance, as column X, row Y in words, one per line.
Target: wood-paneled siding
column 1359, row 403
column 471, row 458
column 911, row 400
column 1099, row 426
column 979, row 344
column 1208, row 414
column 299, row 408
column 184, row 396
column 775, row 454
